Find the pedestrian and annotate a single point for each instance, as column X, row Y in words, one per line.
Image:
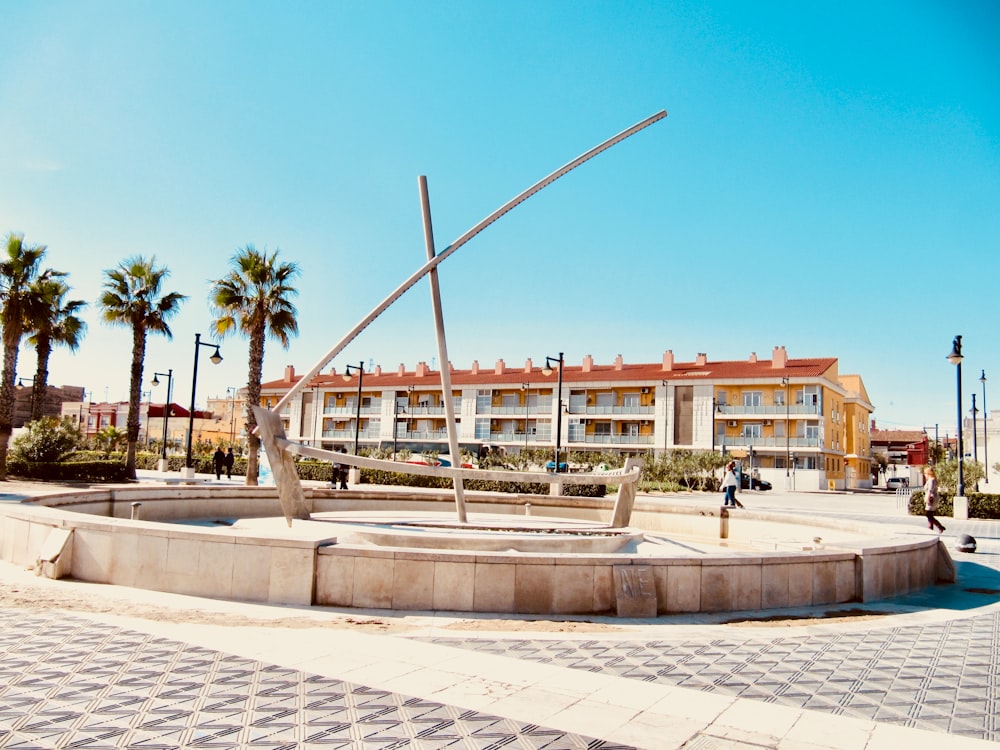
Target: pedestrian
column 340, row 473
column 729, row 486
column 218, row 460
column 931, row 499
column 230, row 460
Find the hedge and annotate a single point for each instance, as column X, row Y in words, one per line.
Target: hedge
column 981, row 505
column 69, row 471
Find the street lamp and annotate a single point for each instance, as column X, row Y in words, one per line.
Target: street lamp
column 360, row 368
column 231, row 392
column 956, row 359
column 784, row 382
column 216, row 358
column 986, row 440
column 975, row 441
column 547, row 370
column 524, row 387
column 169, row 375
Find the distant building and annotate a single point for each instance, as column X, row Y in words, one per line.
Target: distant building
column 906, row 451
column 795, row 420
column 55, row 397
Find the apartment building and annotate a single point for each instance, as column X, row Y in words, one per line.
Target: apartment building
column 793, row 421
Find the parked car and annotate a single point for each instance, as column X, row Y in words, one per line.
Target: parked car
column 896, row 483
column 753, row 483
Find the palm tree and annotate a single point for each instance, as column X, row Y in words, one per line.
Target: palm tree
column 253, row 298
column 19, row 267
column 132, row 298
column 52, row 321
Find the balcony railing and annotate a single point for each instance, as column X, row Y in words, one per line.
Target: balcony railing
column 611, row 410
column 349, row 434
column 515, row 437
column 423, row 435
column 770, row 442
column 768, row 411
column 611, row 439
column 544, row 406
column 375, row 408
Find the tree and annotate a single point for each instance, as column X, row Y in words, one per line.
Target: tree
column 133, row 298
column 109, row 438
column 52, row 321
column 254, row 299
column 47, row 439
column 19, row 267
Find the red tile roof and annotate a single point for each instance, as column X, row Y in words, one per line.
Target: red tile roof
column 632, row 373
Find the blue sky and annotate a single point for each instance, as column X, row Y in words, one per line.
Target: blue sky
column 828, row 178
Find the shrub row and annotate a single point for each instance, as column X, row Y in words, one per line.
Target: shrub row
column 69, row 471
column 981, row 505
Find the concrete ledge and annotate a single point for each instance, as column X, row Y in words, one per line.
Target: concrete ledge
column 102, row 544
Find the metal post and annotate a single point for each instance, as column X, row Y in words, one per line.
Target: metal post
column 215, row 358
column 956, row 359
column 986, row 440
column 166, row 408
column 548, row 362
column 360, row 367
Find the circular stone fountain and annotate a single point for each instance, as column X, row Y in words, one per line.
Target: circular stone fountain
column 402, row 550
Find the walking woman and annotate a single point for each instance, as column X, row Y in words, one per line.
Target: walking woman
column 931, row 498
column 729, row 485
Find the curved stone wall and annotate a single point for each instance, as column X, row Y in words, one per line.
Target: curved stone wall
column 90, row 536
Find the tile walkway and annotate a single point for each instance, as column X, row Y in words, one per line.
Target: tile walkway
column 928, row 677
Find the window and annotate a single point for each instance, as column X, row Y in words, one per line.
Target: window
column 811, row 429
column 510, row 400
column 630, row 429
column 630, row 400
column 484, row 400
column 606, row 399
column 752, row 430
column 779, row 398
column 482, row 428
column 752, row 398
column 602, row 428
column 720, row 398
column 779, row 429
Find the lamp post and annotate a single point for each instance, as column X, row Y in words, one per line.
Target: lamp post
column 524, row 387
column 232, row 392
column 169, row 375
column 955, row 357
column 547, row 370
column 975, row 441
column 216, row 358
column 784, row 382
column 986, row 440
column 360, row 368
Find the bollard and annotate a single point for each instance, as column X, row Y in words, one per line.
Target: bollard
column 723, row 523
column 135, row 510
column 527, row 509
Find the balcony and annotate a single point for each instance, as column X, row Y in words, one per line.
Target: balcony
column 760, row 410
column 544, row 406
column 516, row 438
column 613, row 411
column 769, row 442
column 349, row 434
column 373, row 409
column 423, row 435
column 611, row 439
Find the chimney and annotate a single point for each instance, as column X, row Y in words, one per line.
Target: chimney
column 402, row 370
column 378, row 370
column 499, row 369
column 668, row 360
column 619, row 362
column 701, row 360
column 475, row 367
column 422, row 369
column 289, row 373
column 779, row 358
column 753, row 358
column 588, row 363
column 527, row 366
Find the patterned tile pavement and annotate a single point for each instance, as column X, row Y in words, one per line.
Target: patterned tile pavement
column 66, row 682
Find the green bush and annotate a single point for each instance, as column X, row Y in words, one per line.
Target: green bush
column 69, row 471
column 981, row 505
column 46, row 439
